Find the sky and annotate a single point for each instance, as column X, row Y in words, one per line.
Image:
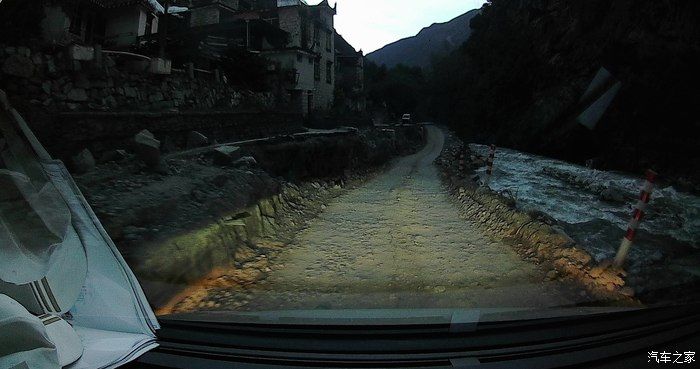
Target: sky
column 371, row 24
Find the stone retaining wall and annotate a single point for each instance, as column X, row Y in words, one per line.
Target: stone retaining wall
column 532, row 235
column 66, row 134
column 51, row 81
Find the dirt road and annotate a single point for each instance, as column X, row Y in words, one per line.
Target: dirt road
column 398, row 242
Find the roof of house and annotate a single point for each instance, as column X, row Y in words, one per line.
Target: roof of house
column 153, row 4
column 342, row 47
column 325, row 4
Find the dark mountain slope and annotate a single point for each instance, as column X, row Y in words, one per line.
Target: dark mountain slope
column 520, row 78
column 437, row 40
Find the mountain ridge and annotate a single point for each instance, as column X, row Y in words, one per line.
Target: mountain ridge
column 438, row 38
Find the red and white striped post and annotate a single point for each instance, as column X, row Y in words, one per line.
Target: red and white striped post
column 637, row 216
column 489, row 169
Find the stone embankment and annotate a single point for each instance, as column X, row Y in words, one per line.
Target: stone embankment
column 53, row 81
column 532, row 234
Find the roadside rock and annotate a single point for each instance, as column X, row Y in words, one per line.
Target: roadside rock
column 83, row 162
column 78, row 95
column 246, row 161
column 113, row 155
column 148, row 148
column 18, row 66
column 225, row 155
column 196, row 139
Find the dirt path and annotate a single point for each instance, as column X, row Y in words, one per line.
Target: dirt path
column 398, row 242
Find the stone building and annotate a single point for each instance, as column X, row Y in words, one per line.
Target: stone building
column 206, row 12
column 309, row 56
column 114, row 23
column 350, row 77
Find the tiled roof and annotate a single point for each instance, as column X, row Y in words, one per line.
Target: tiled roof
column 153, row 4
column 342, row 46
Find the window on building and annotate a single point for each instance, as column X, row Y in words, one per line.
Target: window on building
column 317, row 36
column 317, row 69
column 329, row 72
column 329, row 41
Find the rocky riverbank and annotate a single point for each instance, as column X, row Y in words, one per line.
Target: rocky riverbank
column 532, row 235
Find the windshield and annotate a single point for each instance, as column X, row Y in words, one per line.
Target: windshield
column 312, row 159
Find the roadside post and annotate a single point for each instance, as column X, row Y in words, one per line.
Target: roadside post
column 489, row 169
column 637, row 216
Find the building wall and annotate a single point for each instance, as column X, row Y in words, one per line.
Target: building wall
column 290, row 22
column 55, row 25
column 299, row 22
column 124, row 25
column 204, row 16
column 290, row 60
column 324, row 91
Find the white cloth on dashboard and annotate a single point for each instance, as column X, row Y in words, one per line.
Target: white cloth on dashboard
column 34, row 223
column 23, row 339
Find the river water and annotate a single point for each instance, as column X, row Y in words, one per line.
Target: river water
column 571, row 194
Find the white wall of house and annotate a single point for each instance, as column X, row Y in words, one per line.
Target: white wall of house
column 289, row 60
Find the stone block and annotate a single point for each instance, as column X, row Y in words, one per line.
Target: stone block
column 83, row 162
column 226, row 155
column 196, row 139
column 267, row 208
column 147, row 148
column 77, row 94
column 46, row 87
column 113, row 155
column 18, row 66
column 160, row 66
column 79, row 52
column 130, row 92
column 24, row 51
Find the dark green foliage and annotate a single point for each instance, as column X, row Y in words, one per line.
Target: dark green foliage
column 399, row 90
column 519, row 78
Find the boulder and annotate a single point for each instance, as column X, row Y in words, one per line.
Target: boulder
column 18, row 66
column 77, row 94
column 267, row 208
column 146, row 133
column 196, row 139
column 147, row 148
column 225, row 155
column 83, row 162
column 113, row 155
column 611, row 195
column 246, row 161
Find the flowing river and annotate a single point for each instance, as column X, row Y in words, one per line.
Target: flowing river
column 594, row 207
